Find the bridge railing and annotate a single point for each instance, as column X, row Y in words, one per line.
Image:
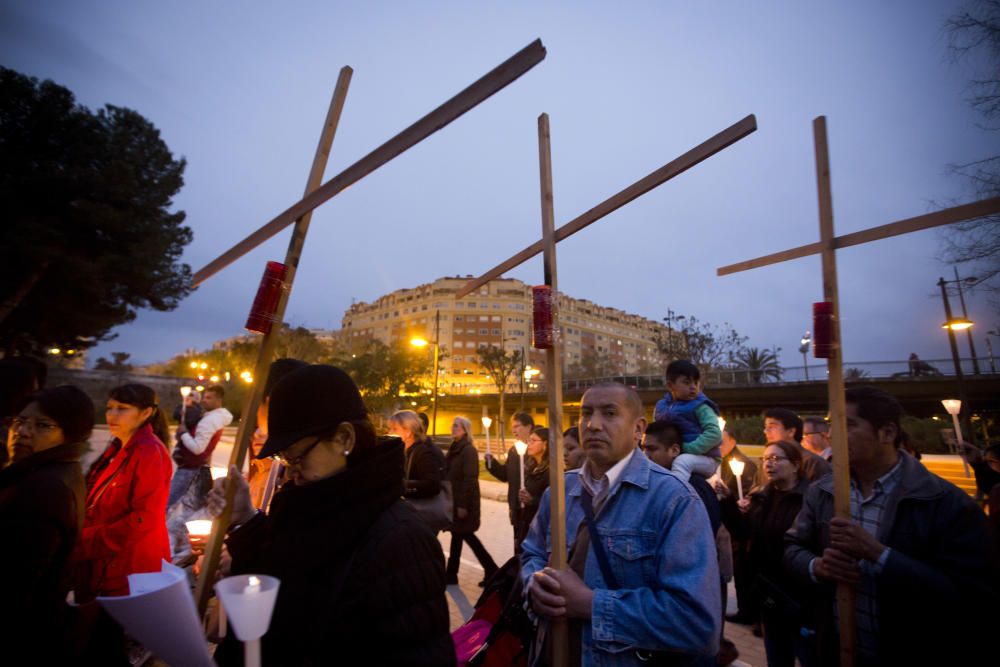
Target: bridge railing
column 736, row 377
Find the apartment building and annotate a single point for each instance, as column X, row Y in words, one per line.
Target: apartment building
column 500, row 314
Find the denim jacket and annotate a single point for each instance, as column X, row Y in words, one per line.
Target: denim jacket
column 661, row 548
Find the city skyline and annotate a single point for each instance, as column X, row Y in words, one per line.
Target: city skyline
column 241, row 94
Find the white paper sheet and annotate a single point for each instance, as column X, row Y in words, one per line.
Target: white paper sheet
column 160, row 614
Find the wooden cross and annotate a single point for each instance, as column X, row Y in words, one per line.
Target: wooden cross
column 827, row 247
column 553, row 355
column 300, row 214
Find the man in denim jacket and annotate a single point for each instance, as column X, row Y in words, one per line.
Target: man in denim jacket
column 659, row 543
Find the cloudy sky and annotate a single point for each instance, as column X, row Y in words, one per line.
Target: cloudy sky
column 240, row 89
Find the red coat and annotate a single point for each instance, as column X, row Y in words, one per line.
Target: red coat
column 125, row 528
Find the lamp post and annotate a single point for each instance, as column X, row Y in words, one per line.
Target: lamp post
column 804, row 349
column 952, row 325
column 422, row 342
column 989, row 349
column 971, row 280
column 953, row 407
column 486, row 427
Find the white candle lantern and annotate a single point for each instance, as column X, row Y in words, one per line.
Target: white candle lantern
column 486, row 427
column 737, row 467
column 521, row 448
column 249, row 600
column 954, row 406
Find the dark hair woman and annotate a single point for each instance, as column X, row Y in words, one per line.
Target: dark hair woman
column 463, row 473
column 536, row 480
column 41, row 512
column 761, row 520
column 362, row 577
column 125, row 529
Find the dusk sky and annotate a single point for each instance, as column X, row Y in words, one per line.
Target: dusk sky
column 240, row 89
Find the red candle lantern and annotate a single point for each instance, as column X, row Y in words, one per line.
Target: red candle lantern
column 542, row 329
column 823, row 329
column 265, row 304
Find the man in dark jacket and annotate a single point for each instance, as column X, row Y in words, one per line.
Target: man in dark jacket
column 510, row 470
column 915, row 550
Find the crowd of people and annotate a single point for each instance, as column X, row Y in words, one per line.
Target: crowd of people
column 657, row 519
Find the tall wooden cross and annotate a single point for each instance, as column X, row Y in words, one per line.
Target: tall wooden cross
column 827, row 247
column 300, row 214
column 553, row 355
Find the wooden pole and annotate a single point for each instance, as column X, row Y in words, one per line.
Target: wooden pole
column 266, row 351
column 553, row 360
column 835, row 384
column 492, row 82
column 675, row 167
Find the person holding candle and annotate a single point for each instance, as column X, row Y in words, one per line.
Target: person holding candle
column 760, row 520
column 41, row 514
column 463, row 472
column 362, row 576
column 510, row 470
column 535, row 481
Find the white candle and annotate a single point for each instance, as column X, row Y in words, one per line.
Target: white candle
column 521, row 448
column 218, row 472
column 737, row 467
column 199, row 527
column 486, row 426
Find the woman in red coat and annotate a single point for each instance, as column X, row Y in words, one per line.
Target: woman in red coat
column 125, row 529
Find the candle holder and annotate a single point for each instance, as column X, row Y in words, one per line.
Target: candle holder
column 249, row 601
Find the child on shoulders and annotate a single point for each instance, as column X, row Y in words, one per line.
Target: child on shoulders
column 697, row 417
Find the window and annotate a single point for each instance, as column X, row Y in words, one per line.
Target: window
column 496, row 306
column 458, row 343
column 496, row 318
column 484, row 318
column 484, row 332
column 459, row 318
column 472, row 304
column 496, row 332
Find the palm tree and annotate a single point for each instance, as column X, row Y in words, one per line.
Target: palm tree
column 760, row 365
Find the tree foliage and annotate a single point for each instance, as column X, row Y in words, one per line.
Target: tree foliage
column 88, row 236
column 119, row 363
column 707, row 345
column 974, row 36
column 760, row 365
column 500, row 364
column 383, row 371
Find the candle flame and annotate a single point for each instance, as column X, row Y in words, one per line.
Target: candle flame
column 736, row 466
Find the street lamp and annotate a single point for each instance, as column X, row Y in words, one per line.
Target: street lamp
column 951, row 324
column 804, row 349
column 423, row 342
column 963, row 322
column 953, row 407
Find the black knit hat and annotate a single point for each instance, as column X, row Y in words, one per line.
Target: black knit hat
column 310, row 401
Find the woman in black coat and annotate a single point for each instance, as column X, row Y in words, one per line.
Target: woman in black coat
column 761, row 520
column 463, row 473
column 41, row 514
column 536, row 480
column 362, row 576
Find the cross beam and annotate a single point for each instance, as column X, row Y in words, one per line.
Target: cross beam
column 675, row 167
column 948, row 216
column 492, row 82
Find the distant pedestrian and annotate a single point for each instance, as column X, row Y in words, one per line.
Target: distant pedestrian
column 425, row 464
column 41, row 515
column 192, row 480
column 463, row 473
column 696, row 415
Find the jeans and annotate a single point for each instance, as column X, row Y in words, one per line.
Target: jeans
column 188, row 490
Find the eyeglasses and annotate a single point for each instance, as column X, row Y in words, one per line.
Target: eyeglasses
column 34, row 425
column 282, row 457
column 774, row 459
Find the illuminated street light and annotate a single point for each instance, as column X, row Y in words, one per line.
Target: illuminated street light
column 804, row 349
column 214, row 379
column 54, row 350
column 958, row 324
column 194, row 364
column 419, row 342
column 204, row 365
